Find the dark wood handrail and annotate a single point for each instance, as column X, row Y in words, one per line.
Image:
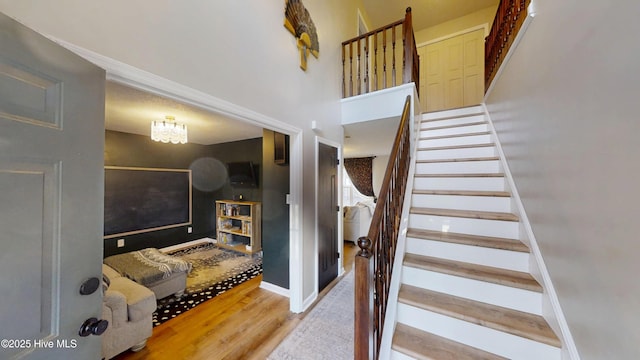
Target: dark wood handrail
column 374, row 261
column 361, row 56
column 373, row 32
column 509, row 19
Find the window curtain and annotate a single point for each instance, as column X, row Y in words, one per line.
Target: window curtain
column 360, row 172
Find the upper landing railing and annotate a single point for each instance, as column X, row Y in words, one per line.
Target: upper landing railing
column 509, row 19
column 370, row 61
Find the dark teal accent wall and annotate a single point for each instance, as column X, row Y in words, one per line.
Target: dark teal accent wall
column 210, row 181
column 275, row 216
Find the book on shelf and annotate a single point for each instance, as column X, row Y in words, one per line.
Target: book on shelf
column 246, row 227
column 229, row 209
column 225, row 224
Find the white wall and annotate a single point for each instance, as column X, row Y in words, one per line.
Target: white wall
column 565, row 110
column 238, row 51
column 379, row 166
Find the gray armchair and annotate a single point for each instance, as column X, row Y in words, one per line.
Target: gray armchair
column 128, row 307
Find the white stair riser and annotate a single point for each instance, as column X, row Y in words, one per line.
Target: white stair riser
column 454, row 141
column 459, row 183
column 481, row 203
column 490, row 340
column 396, row 355
column 471, row 110
column 454, row 130
column 504, row 259
column 482, row 151
column 495, row 294
column 482, row 227
column 452, row 121
column 459, row 167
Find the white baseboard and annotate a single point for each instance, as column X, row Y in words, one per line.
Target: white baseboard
column 568, row 342
column 188, row 244
column 274, row 288
column 306, row 304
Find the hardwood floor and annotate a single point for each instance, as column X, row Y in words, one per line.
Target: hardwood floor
column 246, row 322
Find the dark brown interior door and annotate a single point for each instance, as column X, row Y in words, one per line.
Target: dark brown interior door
column 327, row 215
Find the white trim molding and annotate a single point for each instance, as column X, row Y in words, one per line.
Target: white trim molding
column 131, row 76
column 484, row 27
column 361, row 21
column 274, row 288
column 188, row 244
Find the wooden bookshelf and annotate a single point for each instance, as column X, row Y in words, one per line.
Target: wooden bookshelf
column 239, row 225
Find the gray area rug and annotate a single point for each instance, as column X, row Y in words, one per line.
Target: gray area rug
column 326, row 332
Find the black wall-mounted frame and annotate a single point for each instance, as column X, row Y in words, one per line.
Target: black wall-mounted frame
column 138, row 200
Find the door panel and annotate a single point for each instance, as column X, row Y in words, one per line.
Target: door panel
column 327, row 215
column 29, row 226
column 434, row 77
column 454, row 72
column 473, row 67
column 422, row 54
column 51, row 194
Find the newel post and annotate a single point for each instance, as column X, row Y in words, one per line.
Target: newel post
column 363, row 337
column 409, row 44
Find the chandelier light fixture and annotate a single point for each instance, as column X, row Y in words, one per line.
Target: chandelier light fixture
column 168, row 131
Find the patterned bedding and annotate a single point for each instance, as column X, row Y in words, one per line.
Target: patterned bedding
column 147, row 266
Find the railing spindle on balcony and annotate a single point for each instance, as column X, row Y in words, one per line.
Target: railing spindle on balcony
column 509, row 19
column 384, row 58
column 344, row 78
column 358, row 68
column 367, row 76
column 350, row 69
column 374, row 261
column 393, row 52
column 375, row 61
column 366, row 64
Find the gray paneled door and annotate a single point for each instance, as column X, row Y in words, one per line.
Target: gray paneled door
column 51, row 196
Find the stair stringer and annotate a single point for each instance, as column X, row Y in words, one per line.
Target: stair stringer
column 551, row 309
column 396, row 276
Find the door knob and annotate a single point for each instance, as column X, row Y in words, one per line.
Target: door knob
column 89, row 286
column 93, row 326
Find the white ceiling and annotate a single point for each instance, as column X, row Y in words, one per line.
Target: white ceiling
column 424, row 13
column 370, row 138
column 131, row 110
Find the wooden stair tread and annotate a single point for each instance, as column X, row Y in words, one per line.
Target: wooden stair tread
column 452, row 126
column 453, row 147
column 455, row 135
column 463, row 193
column 471, row 214
column 514, row 322
column 427, row 346
column 472, row 240
column 516, row 279
column 488, row 158
column 459, row 175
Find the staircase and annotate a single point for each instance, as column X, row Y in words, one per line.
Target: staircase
column 466, row 291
